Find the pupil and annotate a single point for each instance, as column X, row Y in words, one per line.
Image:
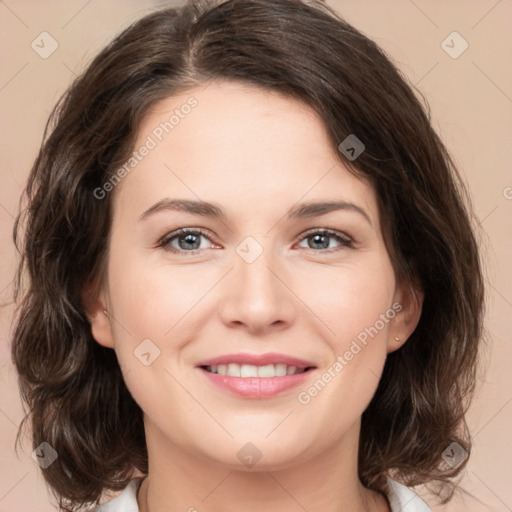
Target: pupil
column 190, row 239
column 323, row 244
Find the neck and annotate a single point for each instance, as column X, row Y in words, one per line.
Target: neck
column 327, row 482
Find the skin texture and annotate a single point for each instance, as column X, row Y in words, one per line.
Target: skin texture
column 255, row 154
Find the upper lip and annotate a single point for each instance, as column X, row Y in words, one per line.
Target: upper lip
column 258, row 360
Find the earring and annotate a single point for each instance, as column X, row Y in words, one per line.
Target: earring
column 397, row 339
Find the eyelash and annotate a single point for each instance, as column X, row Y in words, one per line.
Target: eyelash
column 343, row 239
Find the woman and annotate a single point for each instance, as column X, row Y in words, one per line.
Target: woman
column 253, row 280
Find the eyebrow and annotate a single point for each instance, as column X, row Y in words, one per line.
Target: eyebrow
column 205, row 209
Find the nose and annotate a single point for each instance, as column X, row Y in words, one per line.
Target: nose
column 257, row 295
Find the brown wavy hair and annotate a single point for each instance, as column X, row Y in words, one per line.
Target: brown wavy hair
column 77, row 399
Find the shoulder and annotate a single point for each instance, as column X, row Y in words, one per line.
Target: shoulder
column 401, row 499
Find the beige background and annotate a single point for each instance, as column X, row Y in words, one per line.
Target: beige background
column 471, row 101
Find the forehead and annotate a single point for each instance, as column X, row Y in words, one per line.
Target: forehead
column 239, row 145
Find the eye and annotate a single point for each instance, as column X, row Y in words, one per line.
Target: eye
column 186, row 239
column 321, row 238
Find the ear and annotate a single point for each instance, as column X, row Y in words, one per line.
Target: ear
column 95, row 305
column 408, row 303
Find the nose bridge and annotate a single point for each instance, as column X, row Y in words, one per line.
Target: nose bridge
column 256, row 297
column 253, row 263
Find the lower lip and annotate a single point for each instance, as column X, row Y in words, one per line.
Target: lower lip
column 256, row 387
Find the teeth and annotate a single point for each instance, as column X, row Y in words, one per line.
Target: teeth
column 291, row 370
column 233, row 370
column 280, row 370
column 266, row 371
column 250, row 370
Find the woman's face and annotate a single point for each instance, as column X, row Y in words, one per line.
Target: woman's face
column 254, row 282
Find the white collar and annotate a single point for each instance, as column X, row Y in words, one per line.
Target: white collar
column 401, row 499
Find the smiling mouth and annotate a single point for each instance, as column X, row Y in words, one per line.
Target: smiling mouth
column 249, row 370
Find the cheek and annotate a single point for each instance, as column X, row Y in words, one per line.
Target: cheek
column 152, row 298
column 156, row 308
column 354, row 305
column 148, row 305
column 348, row 299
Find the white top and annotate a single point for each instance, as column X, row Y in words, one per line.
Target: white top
column 401, row 499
